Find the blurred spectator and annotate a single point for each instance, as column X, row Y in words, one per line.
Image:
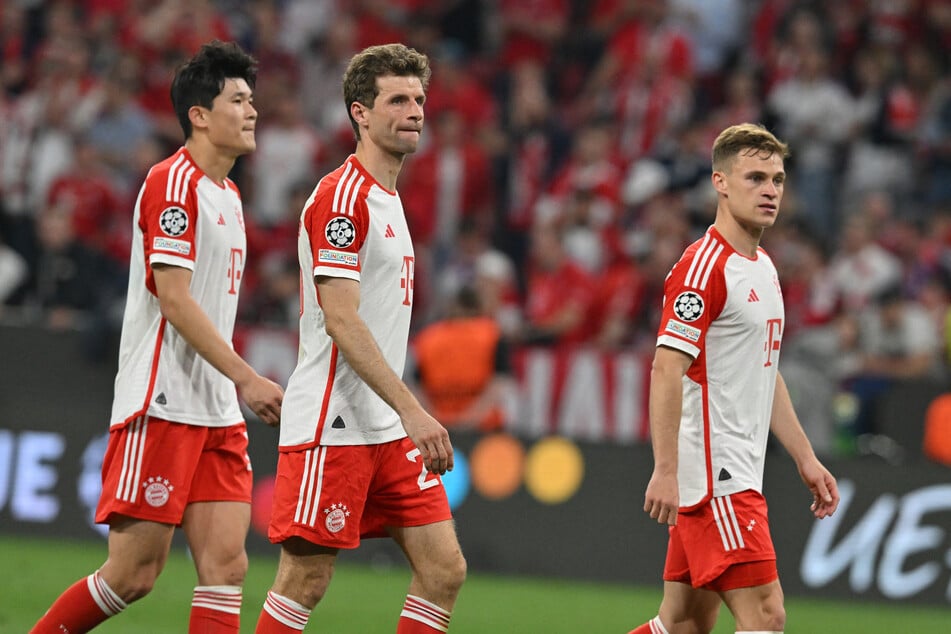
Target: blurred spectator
column 880, row 154
column 934, row 147
column 120, row 125
column 289, row 150
column 618, row 301
column 559, row 293
column 447, row 182
column 535, row 144
column 896, row 342
column 462, row 366
column 715, row 29
column 862, row 269
column 530, row 30
column 14, row 273
column 644, row 80
column 814, row 114
column 74, row 285
column 270, row 288
column 99, row 213
column 498, row 293
column 328, row 56
column 809, row 291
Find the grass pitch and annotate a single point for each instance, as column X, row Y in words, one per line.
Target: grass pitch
column 365, row 600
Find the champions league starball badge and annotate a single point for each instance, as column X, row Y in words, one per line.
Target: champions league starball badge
column 688, row 306
column 173, row 222
column 340, row 232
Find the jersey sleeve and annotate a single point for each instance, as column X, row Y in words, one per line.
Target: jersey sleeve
column 168, row 218
column 694, row 294
column 336, row 237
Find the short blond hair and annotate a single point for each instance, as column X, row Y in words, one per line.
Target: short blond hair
column 749, row 137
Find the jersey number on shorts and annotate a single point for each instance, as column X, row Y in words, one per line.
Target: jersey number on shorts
column 422, row 481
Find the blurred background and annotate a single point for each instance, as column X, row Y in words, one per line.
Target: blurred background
column 564, row 168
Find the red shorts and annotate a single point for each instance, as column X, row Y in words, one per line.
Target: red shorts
column 334, row 495
column 722, row 545
column 153, row 469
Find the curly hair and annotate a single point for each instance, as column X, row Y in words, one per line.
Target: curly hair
column 359, row 80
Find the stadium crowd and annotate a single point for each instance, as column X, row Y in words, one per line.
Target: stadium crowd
column 565, row 166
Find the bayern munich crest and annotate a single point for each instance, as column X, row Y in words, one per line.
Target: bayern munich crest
column 173, row 221
column 688, row 306
column 340, row 232
column 336, row 518
column 157, row 491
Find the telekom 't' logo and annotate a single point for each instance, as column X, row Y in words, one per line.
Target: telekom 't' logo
column 234, row 271
column 774, row 331
column 406, row 279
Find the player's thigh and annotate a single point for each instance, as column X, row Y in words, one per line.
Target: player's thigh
column 304, row 570
column 688, row 610
column 757, row 607
column 216, row 533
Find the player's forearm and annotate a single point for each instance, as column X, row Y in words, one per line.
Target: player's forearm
column 359, row 348
column 665, row 407
column 191, row 322
column 786, row 427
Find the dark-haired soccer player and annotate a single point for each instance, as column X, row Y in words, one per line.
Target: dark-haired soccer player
column 715, row 395
column 359, row 456
column 177, row 451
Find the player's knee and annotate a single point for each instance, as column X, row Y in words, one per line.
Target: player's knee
column 698, row 620
column 774, row 615
column 445, row 577
column 315, row 586
column 137, row 586
column 236, row 570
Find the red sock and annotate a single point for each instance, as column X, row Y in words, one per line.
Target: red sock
column 83, row 606
column 420, row 616
column 215, row 610
column 280, row 615
column 654, row 626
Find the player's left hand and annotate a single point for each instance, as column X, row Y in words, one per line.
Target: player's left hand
column 825, row 491
column 432, row 440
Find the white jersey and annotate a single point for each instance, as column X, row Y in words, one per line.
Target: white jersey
column 354, row 228
column 182, row 218
column 726, row 311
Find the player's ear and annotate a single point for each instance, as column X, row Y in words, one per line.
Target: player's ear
column 198, row 116
column 359, row 113
column 718, row 179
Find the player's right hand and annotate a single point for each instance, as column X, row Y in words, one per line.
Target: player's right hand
column 264, row 397
column 662, row 499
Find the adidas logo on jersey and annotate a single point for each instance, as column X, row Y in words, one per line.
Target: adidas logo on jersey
column 221, row 219
column 160, row 399
column 753, row 296
column 389, row 232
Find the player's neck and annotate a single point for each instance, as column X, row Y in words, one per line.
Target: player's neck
column 209, row 159
column 383, row 166
column 744, row 239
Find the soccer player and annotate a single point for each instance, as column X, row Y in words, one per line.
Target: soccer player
column 177, row 451
column 715, row 395
column 359, row 456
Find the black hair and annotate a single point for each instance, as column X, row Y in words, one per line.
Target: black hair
column 202, row 78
